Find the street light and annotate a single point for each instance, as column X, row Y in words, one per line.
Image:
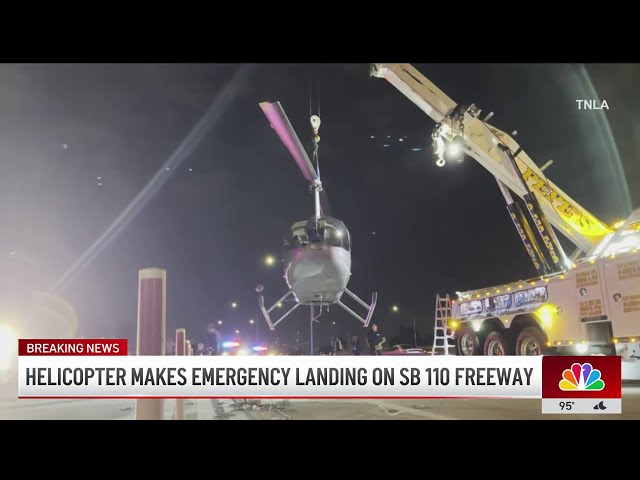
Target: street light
column 252, row 321
column 394, row 308
column 219, row 322
column 237, row 332
column 269, row 260
column 234, row 304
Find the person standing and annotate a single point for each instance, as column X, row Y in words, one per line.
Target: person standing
column 212, row 340
column 356, row 348
column 375, row 340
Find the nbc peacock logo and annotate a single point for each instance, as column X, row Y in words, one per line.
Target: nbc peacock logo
column 581, row 377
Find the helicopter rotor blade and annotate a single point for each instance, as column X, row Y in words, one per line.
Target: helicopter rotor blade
column 280, row 123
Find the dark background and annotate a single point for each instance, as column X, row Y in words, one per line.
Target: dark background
column 226, row 203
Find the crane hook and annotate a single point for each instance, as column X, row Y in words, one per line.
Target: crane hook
column 315, row 125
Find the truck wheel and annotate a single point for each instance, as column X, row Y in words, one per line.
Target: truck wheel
column 467, row 341
column 530, row 341
column 497, row 343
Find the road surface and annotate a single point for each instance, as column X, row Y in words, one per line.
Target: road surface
column 461, row 409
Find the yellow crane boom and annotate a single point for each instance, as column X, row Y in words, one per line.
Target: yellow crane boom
column 485, row 143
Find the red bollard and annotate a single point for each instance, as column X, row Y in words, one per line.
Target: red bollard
column 181, row 349
column 152, row 320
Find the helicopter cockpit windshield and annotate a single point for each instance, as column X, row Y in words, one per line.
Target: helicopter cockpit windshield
column 326, row 230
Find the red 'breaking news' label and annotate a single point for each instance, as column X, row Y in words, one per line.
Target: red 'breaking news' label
column 581, row 377
column 92, row 346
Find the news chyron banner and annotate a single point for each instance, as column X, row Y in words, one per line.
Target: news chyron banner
column 103, row 369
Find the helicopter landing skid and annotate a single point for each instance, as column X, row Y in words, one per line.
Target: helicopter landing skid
column 265, row 312
column 365, row 321
column 370, row 308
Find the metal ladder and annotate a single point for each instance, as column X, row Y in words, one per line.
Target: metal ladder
column 441, row 332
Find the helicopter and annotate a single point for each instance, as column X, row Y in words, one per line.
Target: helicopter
column 316, row 251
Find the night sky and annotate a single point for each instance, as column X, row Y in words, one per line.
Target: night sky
column 79, row 142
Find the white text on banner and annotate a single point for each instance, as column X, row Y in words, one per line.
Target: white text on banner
column 280, row 376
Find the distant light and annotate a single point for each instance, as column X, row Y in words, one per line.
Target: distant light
column 401, row 140
column 259, row 348
column 373, row 233
column 252, row 321
column 582, row 348
column 373, row 136
column 279, row 304
column 191, row 169
column 243, row 351
column 167, row 169
column 394, row 308
column 386, row 145
column 65, row 146
column 416, row 149
column 234, row 304
column 230, row 344
column 219, row 322
column 237, row 332
column 388, row 136
column 13, row 252
column 269, row 260
column 297, row 333
column 99, row 178
column 8, row 344
column 333, row 323
column 99, row 184
column 618, row 224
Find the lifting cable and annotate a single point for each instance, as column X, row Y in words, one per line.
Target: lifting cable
column 315, row 121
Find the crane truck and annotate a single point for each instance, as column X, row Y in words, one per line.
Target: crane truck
column 588, row 303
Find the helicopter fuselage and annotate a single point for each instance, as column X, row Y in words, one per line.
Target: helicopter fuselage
column 318, row 273
column 317, row 260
